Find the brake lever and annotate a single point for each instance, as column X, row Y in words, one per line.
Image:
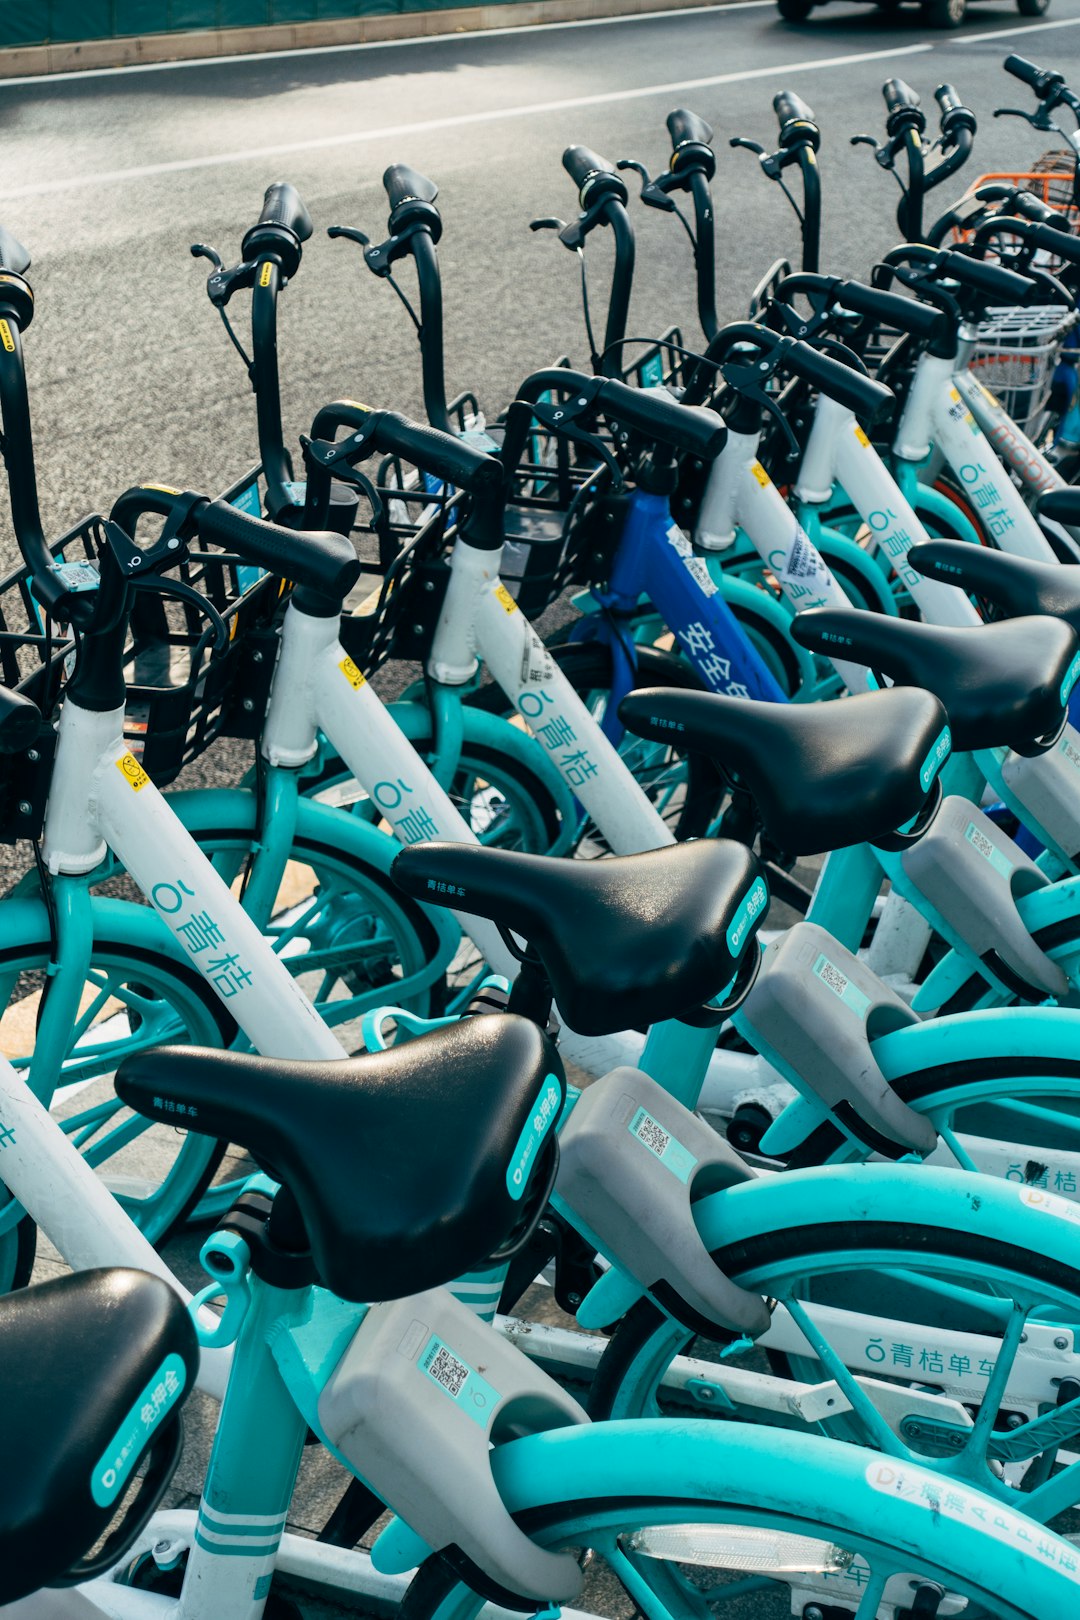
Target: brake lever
column 747, row 145
column 746, row 380
column 654, row 193
column 562, row 419
column 930, row 290
column 202, row 250
column 350, row 233
column 332, row 455
column 221, row 284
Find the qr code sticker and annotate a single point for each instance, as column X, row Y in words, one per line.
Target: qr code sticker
column 833, row 978
column 649, row 1132
column 981, row 842
column 448, row 1371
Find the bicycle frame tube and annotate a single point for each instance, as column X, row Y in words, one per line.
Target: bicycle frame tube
column 102, row 797
column 656, row 559
column 937, row 413
column 53, row 1182
column 318, row 687
column 480, row 616
column 740, row 493
column 838, row 451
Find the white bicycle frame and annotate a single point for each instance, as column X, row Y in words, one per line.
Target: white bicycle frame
column 938, row 412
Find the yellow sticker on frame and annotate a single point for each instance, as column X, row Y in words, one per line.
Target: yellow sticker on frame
column 760, row 474
column 861, row 436
column 352, row 673
column 503, row 596
column 132, row 772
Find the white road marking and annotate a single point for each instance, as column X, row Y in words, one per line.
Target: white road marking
column 46, row 79
column 1003, row 33
column 148, row 171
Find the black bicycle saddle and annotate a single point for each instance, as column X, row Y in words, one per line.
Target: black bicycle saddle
column 1002, row 685
column 823, row 775
column 624, row 942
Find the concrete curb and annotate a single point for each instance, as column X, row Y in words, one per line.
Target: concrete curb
column 209, row 43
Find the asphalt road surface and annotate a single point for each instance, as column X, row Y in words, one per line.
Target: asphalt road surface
column 109, row 176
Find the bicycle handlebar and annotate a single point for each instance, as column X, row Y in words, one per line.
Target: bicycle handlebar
column 593, row 175
column 282, row 226
column 899, row 94
column 283, row 205
column 906, row 314
column 403, row 184
column 443, row 455
column 693, row 429
column 796, row 120
column 13, row 256
column 947, row 99
column 687, row 128
column 1044, row 81
column 865, row 396
column 993, row 280
column 321, row 560
column 1052, row 238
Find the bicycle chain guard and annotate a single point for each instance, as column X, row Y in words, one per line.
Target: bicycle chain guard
column 631, row 1160
column 420, row 1396
column 966, row 877
column 814, row 1014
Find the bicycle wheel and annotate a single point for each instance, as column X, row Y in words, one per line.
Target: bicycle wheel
column 892, row 1302
column 749, row 1528
column 134, row 997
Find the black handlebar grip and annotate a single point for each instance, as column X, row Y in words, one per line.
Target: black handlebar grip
column 991, row 279
column 440, row 454
column 690, row 428
column 790, row 109
column 1055, row 239
column 684, row 126
column 13, row 256
column 898, row 93
column 906, row 314
column 281, row 227
column 283, row 205
column 861, row 394
column 1041, row 80
column 947, row 99
column 323, row 561
column 593, row 175
column 403, row 185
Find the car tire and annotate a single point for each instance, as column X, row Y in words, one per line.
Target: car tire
column 1032, row 8
column 794, row 10
column 944, row 13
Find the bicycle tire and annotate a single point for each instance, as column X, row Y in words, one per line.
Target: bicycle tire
column 643, row 1345
column 820, row 1492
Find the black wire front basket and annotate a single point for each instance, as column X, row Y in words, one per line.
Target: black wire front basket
column 181, row 693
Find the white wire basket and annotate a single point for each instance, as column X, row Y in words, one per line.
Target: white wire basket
column 1017, row 351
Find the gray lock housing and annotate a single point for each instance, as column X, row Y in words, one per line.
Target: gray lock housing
column 632, row 1160
column 1048, row 787
column 422, row 1393
column 814, row 1012
column 971, row 874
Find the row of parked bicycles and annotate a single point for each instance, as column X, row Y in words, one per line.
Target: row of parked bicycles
column 815, row 1215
